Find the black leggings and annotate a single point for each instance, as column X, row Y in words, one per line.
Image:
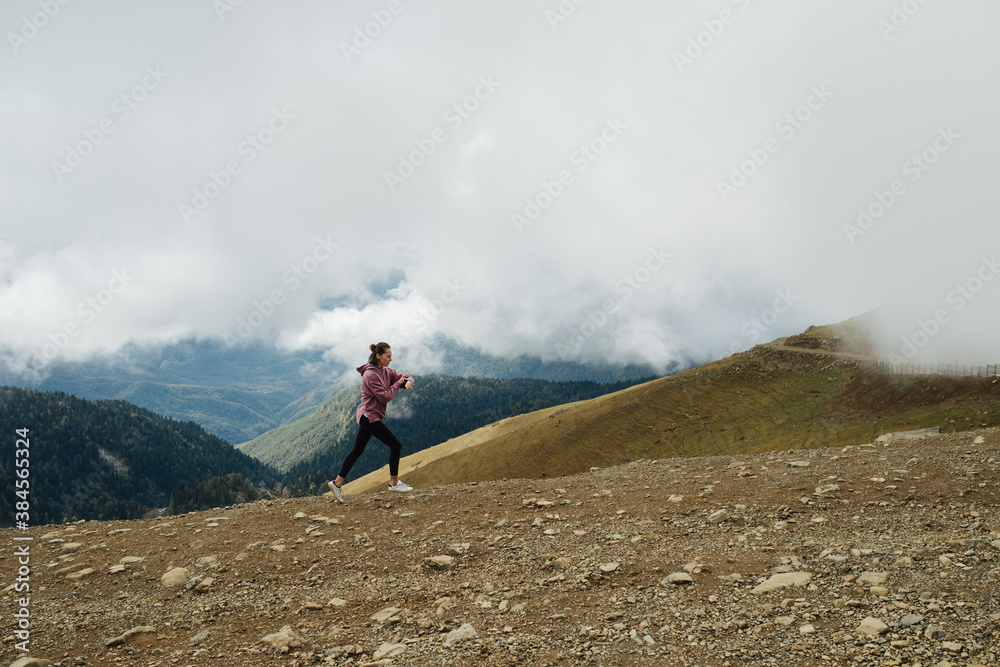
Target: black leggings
column 366, row 430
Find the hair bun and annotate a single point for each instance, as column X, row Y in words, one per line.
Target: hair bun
column 372, row 347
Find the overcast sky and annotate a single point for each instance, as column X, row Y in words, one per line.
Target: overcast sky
column 590, row 180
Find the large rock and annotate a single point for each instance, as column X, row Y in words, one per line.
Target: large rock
column 466, row 631
column 783, row 580
column 175, row 577
column 678, row 579
column 280, row 639
column 872, row 627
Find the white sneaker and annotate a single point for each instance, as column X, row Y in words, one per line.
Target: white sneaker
column 400, row 486
column 337, row 491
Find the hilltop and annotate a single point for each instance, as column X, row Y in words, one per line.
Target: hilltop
column 819, row 389
column 879, row 554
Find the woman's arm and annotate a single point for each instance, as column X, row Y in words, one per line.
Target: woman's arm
column 374, row 384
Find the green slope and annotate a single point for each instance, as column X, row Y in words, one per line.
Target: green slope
column 766, row 399
column 107, row 459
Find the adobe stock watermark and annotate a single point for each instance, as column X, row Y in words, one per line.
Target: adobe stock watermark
column 703, row 40
column 87, row 311
column 31, row 26
column 562, row 13
column 454, row 117
column 365, row 33
column 294, row 276
column 448, row 295
column 899, row 16
column 914, row 167
column 585, row 155
column 627, row 287
column 786, row 126
column 121, row 108
column 754, row 327
column 224, row 7
column 248, row 150
column 958, row 298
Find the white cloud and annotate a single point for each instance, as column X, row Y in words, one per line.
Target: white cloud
column 656, row 184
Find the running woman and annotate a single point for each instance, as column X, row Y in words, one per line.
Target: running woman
column 379, row 385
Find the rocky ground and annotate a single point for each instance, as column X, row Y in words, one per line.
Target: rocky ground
column 876, row 554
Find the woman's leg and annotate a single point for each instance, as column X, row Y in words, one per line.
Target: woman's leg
column 360, row 442
column 382, row 432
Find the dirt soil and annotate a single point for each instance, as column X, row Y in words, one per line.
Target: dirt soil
column 890, row 554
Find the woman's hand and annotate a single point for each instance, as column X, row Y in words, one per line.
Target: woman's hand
column 402, row 380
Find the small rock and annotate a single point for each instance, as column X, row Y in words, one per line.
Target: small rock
column 175, row 577
column 954, row 647
column 979, row 440
column 388, row 651
column 784, row 620
column 198, row 638
column 337, row 602
column 678, row 579
column 905, row 561
column 558, row 564
column 873, row 578
column 935, row 632
column 608, row 568
column 385, row 614
column 827, row 488
column 783, row 580
column 204, row 584
column 466, row 631
column 718, row 517
column 798, row 464
column 122, row 638
column 439, row 562
column 879, row 591
column 807, row 629
column 80, row 574
column 28, row 661
column 128, row 560
column 675, row 498
column 911, row 619
column 872, row 627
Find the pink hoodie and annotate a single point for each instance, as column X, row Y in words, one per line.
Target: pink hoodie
column 378, row 387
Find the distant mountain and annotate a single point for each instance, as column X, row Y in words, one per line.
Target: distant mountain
column 438, row 408
column 106, row 459
column 241, row 392
column 235, row 393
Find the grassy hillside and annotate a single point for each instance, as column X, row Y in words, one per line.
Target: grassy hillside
column 438, row 408
column 770, row 398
